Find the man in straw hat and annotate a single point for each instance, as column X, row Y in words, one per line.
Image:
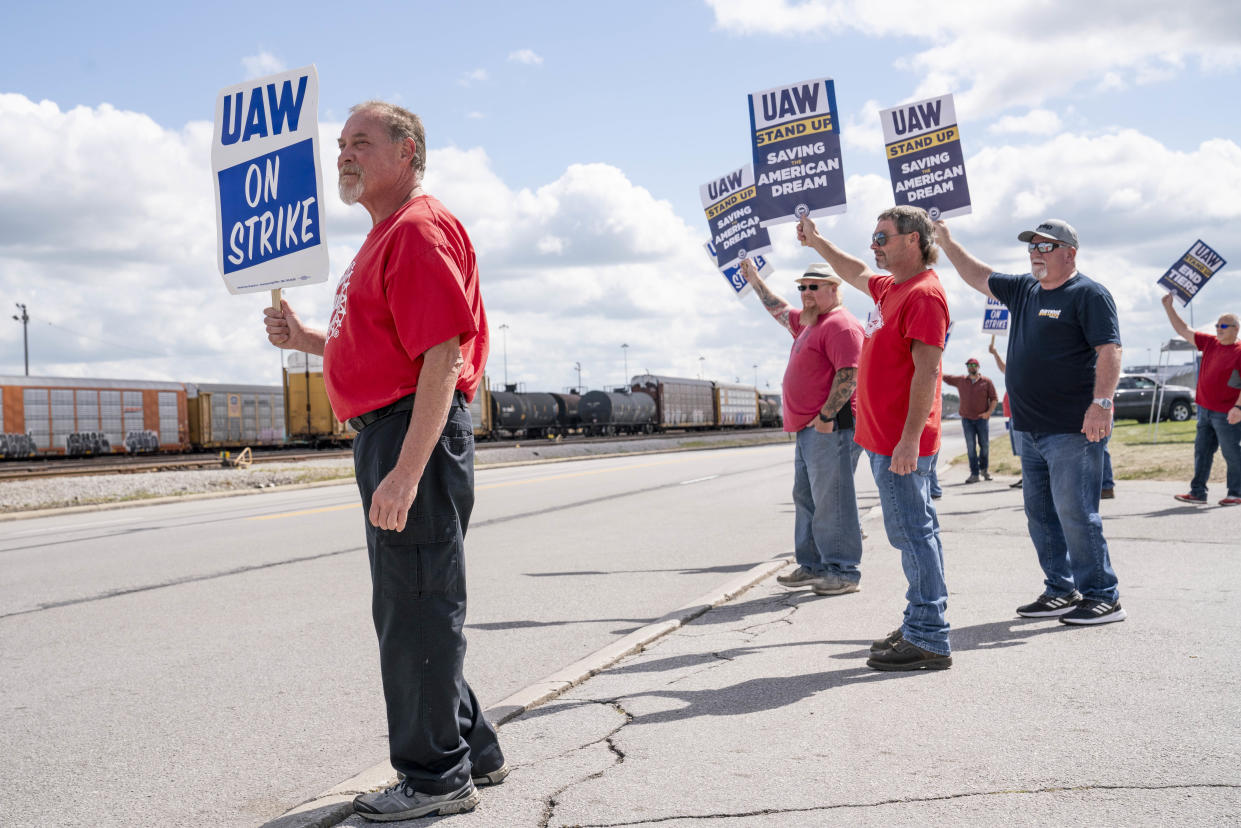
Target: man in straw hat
column 818, row 406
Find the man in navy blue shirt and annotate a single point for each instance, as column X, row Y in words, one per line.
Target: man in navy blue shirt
column 1063, row 364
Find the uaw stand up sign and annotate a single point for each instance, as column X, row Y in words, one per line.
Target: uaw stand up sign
column 268, row 186
column 795, row 134
column 731, row 206
column 923, row 147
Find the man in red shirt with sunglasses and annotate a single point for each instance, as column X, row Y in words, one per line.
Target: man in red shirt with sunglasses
column 1219, row 405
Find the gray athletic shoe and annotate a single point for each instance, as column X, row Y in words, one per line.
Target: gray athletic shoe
column 402, row 802
column 493, row 778
column 799, row 577
column 833, row 585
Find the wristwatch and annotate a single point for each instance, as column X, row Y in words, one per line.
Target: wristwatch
column 823, row 419
column 1102, row 402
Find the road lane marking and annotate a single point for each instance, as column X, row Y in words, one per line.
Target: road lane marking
column 505, row 484
column 699, row 479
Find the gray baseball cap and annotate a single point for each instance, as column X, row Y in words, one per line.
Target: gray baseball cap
column 1057, row 229
column 820, row 272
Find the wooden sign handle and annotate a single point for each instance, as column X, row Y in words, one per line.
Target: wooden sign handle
column 275, row 300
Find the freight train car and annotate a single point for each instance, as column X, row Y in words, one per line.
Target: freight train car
column 80, row 417
column 770, row 411
column 736, row 406
column 480, row 411
column 679, row 402
column 518, row 414
column 615, row 412
column 235, row 416
column 307, row 413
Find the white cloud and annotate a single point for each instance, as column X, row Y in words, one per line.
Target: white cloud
column 997, row 55
column 264, row 63
column 527, row 56
column 1034, row 122
column 472, row 77
column 575, row 266
column 475, row 115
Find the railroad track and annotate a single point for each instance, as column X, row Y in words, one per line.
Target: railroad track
column 121, row 464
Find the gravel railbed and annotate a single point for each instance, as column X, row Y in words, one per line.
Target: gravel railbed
column 55, row 492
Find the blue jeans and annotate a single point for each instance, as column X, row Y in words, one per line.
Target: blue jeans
column 1213, row 431
column 913, row 528
column 1063, row 475
column 827, row 534
column 1109, row 482
column 1014, row 439
column 936, row 489
column 977, row 430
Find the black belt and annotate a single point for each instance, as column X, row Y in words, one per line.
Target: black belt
column 363, row 420
column 403, row 404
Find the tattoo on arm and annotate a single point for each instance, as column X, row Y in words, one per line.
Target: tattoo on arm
column 776, row 306
column 842, row 389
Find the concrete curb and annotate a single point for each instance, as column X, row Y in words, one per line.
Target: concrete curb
column 336, row 805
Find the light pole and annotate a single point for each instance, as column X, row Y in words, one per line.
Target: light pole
column 504, row 338
column 25, row 320
column 701, row 360
column 625, row 351
column 756, row 375
column 578, row 366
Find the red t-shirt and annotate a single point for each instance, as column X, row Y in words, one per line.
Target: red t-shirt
column 915, row 309
column 412, row 285
column 833, row 342
column 1218, row 363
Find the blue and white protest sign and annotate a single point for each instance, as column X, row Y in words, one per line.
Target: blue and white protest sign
column 795, row 133
column 730, row 203
column 923, row 147
column 737, row 281
column 995, row 318
column 268, row 185
column 1188, row 275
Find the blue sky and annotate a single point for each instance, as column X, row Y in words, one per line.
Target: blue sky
column 572, row 138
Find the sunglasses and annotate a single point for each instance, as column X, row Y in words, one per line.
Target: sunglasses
column 1045, row 247
column 881, row 238
column 807, row 287
column 1223, row 324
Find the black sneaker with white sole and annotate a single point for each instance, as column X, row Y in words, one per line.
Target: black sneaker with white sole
column 495, row 777
column 401, row 801
column 1089, row 611
column 1049, row 606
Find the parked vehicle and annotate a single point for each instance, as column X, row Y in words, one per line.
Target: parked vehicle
column 1138, row 394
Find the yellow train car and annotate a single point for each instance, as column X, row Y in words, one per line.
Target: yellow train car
column 308, row 416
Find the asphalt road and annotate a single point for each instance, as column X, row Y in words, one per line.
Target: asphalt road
column 213, row 661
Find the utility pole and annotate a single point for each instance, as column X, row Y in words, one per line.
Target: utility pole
column 578, row 366
column 756, row 375
column 701, row 360
column 504, row 335
column 25, row 320
column 625, row 351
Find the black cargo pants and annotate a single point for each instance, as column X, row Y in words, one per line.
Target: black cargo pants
column 436, row 729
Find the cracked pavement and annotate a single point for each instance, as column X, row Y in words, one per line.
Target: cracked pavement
column 762, row 712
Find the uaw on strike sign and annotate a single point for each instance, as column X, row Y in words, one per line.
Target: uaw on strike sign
column 795, row 134
column 923, row 147
column 268, row 187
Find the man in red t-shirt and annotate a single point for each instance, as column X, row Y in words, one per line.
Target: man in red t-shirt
column 403, row 353
column 818, row 405
column 1219, row 405
column 898, row 419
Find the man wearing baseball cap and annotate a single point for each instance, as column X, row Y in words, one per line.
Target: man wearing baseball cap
column 978, row 399
column 1063, row 364
column 818, row 407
